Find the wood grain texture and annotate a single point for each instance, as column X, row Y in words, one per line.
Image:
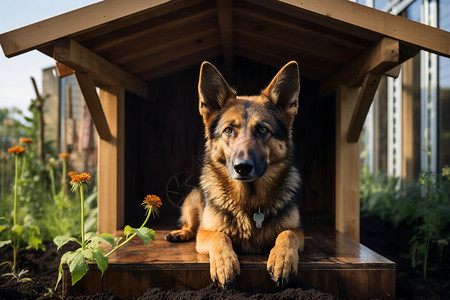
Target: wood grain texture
column 347, row 165
column 111, row 181
column 365, row 99
column 79, row 58
column 87, row 86
column 331, row 261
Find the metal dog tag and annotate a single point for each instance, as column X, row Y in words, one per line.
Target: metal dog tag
column 259, row 218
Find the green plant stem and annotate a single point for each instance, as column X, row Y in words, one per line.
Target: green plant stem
column 131, row 236
column 82, row 215
column 13, row 268
column 52, row 179
column 23, row 166
column 63, row 177
column 16, row 179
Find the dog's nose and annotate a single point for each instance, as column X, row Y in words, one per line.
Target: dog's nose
column 244, row 167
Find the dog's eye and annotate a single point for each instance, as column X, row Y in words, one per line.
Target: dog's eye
column 228, row 131
column 261, row 130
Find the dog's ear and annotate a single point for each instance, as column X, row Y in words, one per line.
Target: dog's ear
column 213, row 90
column 284, row 88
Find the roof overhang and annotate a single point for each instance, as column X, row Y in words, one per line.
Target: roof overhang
column 132, row 42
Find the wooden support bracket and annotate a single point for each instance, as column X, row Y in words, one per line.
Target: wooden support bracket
column 362, row 106
column 379, row 59
column 73, row 55
column 87, row 86
column 225, row 16
column 63, row 70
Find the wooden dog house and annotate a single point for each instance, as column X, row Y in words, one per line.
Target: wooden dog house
column 144, row 57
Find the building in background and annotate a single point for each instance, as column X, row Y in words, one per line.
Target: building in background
column 68, row 123
column 408, row 127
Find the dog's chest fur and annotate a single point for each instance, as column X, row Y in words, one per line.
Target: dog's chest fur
column 233, row 213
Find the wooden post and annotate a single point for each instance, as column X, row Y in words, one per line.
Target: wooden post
column 347, row 165
column 41, row 123
column 111, row 163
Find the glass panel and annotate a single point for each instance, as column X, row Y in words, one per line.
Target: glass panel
column 444, row 90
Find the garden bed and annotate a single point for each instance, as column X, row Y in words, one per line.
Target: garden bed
column 377, row 235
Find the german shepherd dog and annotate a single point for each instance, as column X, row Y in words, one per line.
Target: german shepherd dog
column 246, row 200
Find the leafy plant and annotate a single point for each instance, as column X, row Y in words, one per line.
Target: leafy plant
column 18, row 234
column 90, row 250
column 423, row 206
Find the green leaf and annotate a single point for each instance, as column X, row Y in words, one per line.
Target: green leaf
column 60, row 270
column 2, row 227
column 35, row 242
column 128, row 230
column 61, row 240
column 145, row 234
column 109, row 240
column 4, row 243
column 78, row 266
column 17, row 229
column 101, row 260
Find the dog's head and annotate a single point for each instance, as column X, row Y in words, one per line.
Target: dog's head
column 248, row 134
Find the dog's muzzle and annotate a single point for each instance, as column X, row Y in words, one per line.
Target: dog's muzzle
column 246, row 169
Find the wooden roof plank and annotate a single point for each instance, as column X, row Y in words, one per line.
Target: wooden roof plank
column 181, row 19
column 27, row 38
column 365, row 18
column 225, row 17
column 299, row 26
column 277, row 61
column 79, row 58
column 362, row 106
column 181, row 63
column 157, row 42
column 300, row 41
column 284, row 52
column 379, row 59
column 87, row 87
column 162, row 57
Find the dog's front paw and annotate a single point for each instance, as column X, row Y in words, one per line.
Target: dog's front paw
column 181, row 235
column 282, row 264
column 224, row 267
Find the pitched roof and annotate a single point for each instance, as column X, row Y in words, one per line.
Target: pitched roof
column 150, row 39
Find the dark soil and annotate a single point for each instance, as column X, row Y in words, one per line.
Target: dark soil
column 379, row 236
column 393, row 243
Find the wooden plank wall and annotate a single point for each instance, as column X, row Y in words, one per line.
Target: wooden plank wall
column 165, row 136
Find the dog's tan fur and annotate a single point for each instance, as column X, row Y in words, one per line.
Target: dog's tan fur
column 247, row 169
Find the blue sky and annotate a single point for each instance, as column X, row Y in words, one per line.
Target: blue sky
column 16, row 89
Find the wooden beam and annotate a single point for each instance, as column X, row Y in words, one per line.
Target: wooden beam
column 225, row 16
column 111, row 163
column 36, row 35
column 379, row 59
column 63, row 70
column 182, row 63
column 171, row 54
column 394, row 72
column 77, row 57
column 171, row 39
column 365, row 98
column 87, row 86
column 365, row 19
column 347, row 165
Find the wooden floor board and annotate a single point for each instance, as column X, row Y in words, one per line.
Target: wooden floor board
column 331, row 261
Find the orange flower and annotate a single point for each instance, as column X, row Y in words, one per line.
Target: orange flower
column 71, row 173
column 80, row 178
column 16, row 150
column 26, row 141
column 152, row 201
column 63, row 155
